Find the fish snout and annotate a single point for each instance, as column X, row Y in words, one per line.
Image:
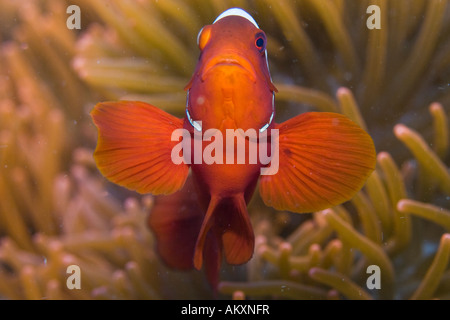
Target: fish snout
column 229, row 61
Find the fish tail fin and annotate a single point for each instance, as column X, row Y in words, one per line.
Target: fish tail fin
column 134, row 147
column 175, row 221
column 324, row 160
column 229, row 222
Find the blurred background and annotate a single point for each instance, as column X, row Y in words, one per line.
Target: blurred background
column 57, row 210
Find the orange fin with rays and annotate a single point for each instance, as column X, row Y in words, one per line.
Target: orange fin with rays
column 228, row 220
column 208, row 222
column 134, row 147
column 237, row 232
column 324, row 160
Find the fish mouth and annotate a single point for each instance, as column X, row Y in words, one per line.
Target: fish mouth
column 231, row 60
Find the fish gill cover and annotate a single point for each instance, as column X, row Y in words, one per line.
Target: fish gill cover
column 56, row 210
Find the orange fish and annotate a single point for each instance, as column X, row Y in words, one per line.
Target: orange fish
column 316, row 159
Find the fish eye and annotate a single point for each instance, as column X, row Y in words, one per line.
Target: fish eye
column 260, row 42
column 203, row 36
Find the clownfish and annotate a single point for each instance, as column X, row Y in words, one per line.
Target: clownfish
column 322, row 159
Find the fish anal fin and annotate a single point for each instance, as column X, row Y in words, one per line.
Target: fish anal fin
column 213, row 258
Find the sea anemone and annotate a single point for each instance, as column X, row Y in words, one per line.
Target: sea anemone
column 56, row 210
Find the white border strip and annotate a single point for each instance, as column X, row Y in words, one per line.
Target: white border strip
column 237, row 12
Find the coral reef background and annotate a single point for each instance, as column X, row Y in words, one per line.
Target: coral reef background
column 56, row 209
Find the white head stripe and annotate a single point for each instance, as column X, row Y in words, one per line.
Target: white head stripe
column 198, row 36
column 236, row 12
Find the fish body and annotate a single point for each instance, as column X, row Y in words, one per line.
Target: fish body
column 230, row 89
column 322, row 159
column 231, row 86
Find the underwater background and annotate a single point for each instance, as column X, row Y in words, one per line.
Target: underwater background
column 57, row 210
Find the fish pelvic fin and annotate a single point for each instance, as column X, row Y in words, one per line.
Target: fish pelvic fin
column 228, row 220
column 324, row 160
column 208, row 222
column 134, row 147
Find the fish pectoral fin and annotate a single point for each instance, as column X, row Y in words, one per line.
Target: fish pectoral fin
column 324, row 160
column 134, row 147
column 229, row 222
